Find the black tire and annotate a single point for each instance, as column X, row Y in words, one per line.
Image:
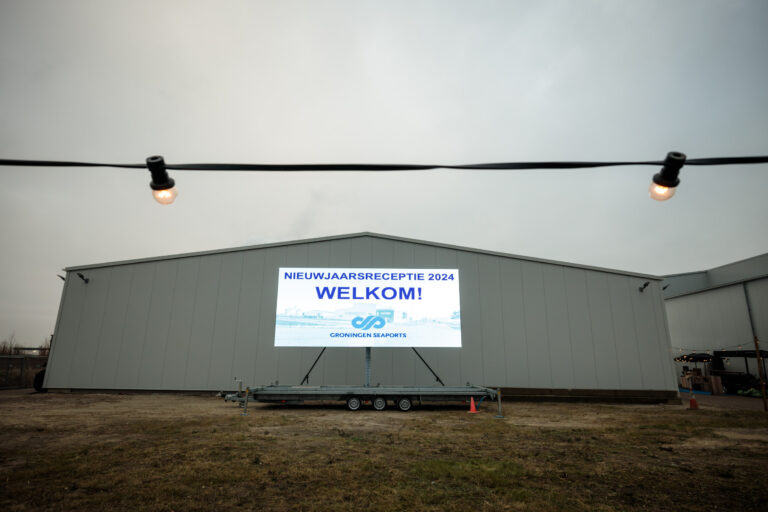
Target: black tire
column 38, row 382
column 404, row 403
column 353, row 403
column 379, row 403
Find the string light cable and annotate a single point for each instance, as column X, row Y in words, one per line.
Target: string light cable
column 663, row 183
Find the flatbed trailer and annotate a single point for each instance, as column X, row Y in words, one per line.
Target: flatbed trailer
column 403, row 397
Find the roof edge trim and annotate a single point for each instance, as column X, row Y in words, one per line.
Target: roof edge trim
column 359, row 235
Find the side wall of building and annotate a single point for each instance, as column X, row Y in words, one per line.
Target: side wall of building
column 196, row 323
column 717, row 318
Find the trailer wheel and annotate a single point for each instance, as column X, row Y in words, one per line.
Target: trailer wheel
column 379, row 403
column 353, row 403
column 404, row 404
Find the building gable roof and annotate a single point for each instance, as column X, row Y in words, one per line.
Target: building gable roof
column 360, row 235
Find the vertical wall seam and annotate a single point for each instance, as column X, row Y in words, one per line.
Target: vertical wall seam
column 503, row 322
column 55, row 337
column 260, row 258
column 101, row 325
column 568, row 316
column 77, row 332
column 237, row 315
column 123, row 329
column 213, row 325
column 483, row 368
column 634, row 303
column 546, row 324
column 146, row 322
column 189, row 331
column 613, row 328
column 665, row 352
column 168, row 325
column 525, row 325
column 591, row 328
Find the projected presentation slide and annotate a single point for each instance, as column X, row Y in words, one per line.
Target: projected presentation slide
column 368, row 307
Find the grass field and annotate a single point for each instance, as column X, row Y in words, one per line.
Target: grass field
column 171, row 452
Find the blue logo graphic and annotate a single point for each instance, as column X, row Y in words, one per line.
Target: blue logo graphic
column 376, row 322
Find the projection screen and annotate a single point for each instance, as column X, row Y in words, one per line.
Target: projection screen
column 368, row 307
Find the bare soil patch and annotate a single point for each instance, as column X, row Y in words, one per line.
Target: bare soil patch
column 175, row 452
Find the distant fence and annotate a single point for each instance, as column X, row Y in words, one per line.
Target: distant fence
column 19, row 371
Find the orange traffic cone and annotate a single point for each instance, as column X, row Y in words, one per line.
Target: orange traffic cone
column 472, row 408
column 694, row 406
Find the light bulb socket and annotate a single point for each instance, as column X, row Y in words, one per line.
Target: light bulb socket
column 160, row 178
column 667, row 177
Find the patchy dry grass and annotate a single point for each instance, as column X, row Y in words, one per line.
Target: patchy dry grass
column 163, row 452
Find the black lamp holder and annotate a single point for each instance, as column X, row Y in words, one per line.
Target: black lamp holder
column 160, row 178
column 672, row 165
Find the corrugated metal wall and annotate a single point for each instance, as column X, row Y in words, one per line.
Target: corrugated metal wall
column 195, row 323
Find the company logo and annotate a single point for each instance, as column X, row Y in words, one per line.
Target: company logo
column 376, row 322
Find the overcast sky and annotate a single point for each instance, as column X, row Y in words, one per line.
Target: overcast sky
column 377, row 82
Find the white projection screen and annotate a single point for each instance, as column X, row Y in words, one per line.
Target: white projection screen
column 368, row 307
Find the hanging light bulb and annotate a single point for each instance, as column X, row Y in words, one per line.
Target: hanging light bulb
column 666, row 181
column 165, row 196
column 660, row 192
column 163, row 187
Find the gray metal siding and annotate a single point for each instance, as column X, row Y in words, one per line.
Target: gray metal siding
column 134, row 327
column 626, row 342
column 709, row 320
column 601, row 322
column 582, row 345
column 198, row 322
column 683, row 284
column 513, row 319
column 758, row 299
column 718, row 318
column 160, row 307
column 740, row 270
column 558, row 327
column 539, row 364
column 177, row 346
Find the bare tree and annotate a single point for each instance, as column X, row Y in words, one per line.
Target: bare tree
column 8, row 345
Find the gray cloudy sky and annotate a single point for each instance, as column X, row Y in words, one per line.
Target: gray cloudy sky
column 377, row 82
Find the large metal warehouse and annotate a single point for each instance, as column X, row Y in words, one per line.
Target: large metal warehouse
column 195, row 322
column 720, row 309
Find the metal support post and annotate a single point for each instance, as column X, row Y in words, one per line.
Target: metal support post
column 306, row 377
column 498, row 399
column 761, row 372
column 245, row 404
column 428, row 367
column 759, row 357
column 367, row 367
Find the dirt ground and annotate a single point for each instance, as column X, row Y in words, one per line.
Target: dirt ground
column 174, row 452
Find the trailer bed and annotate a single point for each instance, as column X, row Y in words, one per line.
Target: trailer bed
column 355, row 396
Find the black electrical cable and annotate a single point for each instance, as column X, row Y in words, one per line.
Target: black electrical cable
column 511, row 166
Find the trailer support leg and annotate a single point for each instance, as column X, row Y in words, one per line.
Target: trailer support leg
column 245, row 405
column 428, row 367
column 498, row 399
